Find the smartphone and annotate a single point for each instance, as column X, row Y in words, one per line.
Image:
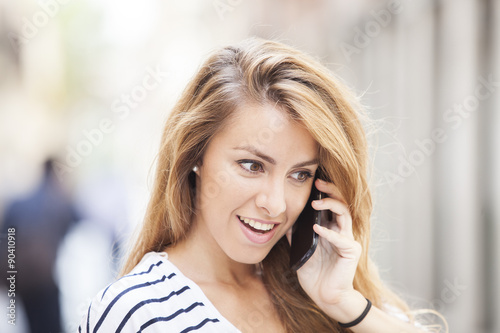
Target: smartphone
column 304, row 239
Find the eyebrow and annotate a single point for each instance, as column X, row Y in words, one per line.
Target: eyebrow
column 270, row 160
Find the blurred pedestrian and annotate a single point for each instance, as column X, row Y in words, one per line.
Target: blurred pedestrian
column 41, row 220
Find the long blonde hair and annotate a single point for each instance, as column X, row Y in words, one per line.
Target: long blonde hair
column 259, row 71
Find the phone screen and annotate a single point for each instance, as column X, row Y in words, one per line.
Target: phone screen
column 304, row 239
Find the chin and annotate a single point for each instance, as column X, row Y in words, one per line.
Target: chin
column 245, row 258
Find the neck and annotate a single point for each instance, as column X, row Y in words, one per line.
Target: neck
column 202, row 260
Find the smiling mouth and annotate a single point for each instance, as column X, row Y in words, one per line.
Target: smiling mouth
column 257, row 227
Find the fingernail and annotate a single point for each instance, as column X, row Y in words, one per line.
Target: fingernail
column 318, row 202
column 319, row 226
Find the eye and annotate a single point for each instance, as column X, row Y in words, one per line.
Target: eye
column 302, row 176
column 251, row 166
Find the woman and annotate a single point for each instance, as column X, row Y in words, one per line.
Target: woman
column 236, row 166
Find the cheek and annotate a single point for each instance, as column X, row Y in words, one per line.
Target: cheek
column 223, row 190
column 295, row 206
column 209, row 191
column 214, row 179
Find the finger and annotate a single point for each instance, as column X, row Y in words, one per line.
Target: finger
column 345, row 247
column 343, row 216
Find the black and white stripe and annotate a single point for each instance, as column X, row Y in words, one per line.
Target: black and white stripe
column 154, row 297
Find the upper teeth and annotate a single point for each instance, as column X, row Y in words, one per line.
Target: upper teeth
column 257, row 225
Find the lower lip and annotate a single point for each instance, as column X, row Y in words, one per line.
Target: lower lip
column 256, row 237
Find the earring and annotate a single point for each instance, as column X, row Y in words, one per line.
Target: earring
column 195, row 169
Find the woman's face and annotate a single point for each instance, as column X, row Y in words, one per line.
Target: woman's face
column 253, row 182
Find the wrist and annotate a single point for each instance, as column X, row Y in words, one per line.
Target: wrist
column 350, row 306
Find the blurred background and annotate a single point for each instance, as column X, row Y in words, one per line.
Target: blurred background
column 85, row 87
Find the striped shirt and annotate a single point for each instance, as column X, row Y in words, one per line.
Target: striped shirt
column 154, row 297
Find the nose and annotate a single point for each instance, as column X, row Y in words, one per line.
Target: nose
column 272, row 198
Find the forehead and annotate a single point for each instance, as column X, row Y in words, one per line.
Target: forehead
column 268, row 128
column 267, row 117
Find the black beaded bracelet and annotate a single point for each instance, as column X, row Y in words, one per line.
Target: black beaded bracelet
column 360, row 318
